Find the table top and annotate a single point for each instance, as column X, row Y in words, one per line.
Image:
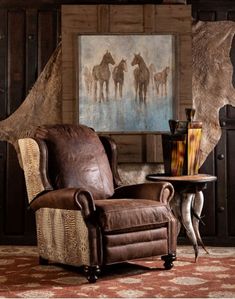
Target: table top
column 197, row 178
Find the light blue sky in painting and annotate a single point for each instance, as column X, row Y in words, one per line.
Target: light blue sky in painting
column 126, row 114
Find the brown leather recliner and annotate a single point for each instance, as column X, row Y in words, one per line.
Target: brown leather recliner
column 84, row 217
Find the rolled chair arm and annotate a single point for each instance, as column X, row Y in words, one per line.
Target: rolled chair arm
column 68, row 199
column 161, row 191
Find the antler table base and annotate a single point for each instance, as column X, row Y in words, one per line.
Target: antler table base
column 187, row 203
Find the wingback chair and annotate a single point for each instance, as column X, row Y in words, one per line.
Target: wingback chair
column 84, row 217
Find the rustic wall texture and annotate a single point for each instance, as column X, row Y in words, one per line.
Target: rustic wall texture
column 212, row 77
column 212, row 89
column 41, row 106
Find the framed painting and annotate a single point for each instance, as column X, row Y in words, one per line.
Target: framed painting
column 126, row 83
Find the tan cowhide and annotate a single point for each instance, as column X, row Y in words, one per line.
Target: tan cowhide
column 212, row 85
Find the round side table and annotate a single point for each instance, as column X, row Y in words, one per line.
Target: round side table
column 188, row 202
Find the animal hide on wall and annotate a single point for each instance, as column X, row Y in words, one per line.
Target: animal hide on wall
column 41, row 106
column 212, row 81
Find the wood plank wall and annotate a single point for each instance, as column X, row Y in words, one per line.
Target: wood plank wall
column 28, row 36
column 126, row 19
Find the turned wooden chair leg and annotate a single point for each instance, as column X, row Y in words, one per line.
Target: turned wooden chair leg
column 43, row 261
column 91, row 273
column 168, row 260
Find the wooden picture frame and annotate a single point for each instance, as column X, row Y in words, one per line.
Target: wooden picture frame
column 147, row 19
column 126, row 83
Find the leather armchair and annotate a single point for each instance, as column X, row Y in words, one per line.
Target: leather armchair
column 84, row 216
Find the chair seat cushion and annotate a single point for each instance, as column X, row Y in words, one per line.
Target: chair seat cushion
column 131, row 214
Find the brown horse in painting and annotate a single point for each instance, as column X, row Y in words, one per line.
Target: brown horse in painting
column 141, row 77
column 101, row 74
column 160, row 80
column 118, row 76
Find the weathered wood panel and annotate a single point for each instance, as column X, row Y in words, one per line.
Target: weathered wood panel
column 230, row 182
column 31, row 47
column 207, row 15
column 149, row 18
column 154, row 148
column 46, row 37
column 185, row 60
column 128, row 19
column 103, row 18
column 173, row 18
column 14, row 209
column 16, row 59
column 3, row 110
column 3, row 63
column 3, row 179
column 75, row 20
column 131, row 148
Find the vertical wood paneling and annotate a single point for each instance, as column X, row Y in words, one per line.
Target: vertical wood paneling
column 230, row 181
column 126, row 19
column 83, row 20
column 231, row 110
column 154, row 148
column 231, row 15
column 16, row 59
column 3, row 109
column 130, row 148
column 14, row 205
column 31, row 47
column 3, row 63
column 21, row 48
column 58, row 26
column 149, row 18
column 221, row 15
column 47, row 35
column 207, row 15
column 103, row 18
column 2, row 183
column 221, row 193
column 173, row 18
column 185, row 61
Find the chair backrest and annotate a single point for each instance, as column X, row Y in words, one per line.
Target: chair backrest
column 76, row 158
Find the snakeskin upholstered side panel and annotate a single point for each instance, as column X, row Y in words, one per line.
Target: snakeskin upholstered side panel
column 62, row 236
column 32, row 165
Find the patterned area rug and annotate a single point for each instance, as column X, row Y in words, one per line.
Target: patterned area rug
column 212, row 276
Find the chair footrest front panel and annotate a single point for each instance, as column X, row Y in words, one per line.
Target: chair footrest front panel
column 133, row 245
column 62, row 236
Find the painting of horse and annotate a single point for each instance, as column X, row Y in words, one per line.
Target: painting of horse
column 125, row 83
column 118, row 77
column 101, row 74
column 141, row 78
column 160, row 80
